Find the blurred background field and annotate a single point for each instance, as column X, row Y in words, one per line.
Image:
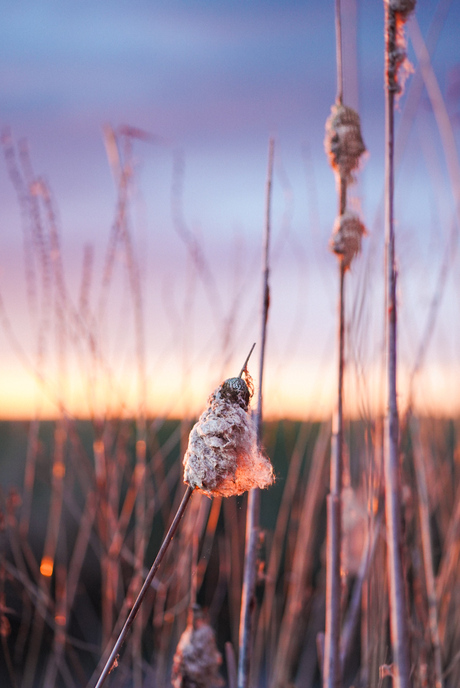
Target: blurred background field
column 72, row 538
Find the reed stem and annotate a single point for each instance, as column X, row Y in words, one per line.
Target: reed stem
column 132, row 614
column 397, row 596
column 252, row 519
column 332, row 663
column 424, row 515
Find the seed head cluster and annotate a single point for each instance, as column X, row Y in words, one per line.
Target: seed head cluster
column 197, row 659
column 223, row 458
column 346, row 237
column 398, row 66
column 343, row 142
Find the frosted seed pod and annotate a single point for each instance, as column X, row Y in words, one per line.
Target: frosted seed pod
column 222, row 458
column 346, row 237
column 343, row 142
column 197, row 659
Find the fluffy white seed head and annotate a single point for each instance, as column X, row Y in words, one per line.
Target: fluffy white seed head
column 346, row 237
column 222, row 458
column 197, row 659
column 343, row 142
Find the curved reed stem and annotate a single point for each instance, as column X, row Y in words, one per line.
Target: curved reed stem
column 132, row 614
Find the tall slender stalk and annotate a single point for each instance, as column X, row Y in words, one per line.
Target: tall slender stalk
column 111, row 661
column 331, row 663
column 299, row 591
column 252, row 518
column 276, row 551
column 424, row 515
column 344, row 146
column 338, row 51
column 398, row 609
column 48, row 561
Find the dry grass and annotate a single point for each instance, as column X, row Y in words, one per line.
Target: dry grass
column 53, row 626
column 87, row 503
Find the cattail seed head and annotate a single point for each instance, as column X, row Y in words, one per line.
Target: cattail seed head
column 222, row 458
column 346, row 237
column 398, row 66
column 402, row 7
column 343, row 142
column 197, row 659
column 236, row 391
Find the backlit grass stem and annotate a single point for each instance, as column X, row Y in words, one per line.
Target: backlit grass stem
column 252, row 517
column 397, row 593
column 136, row 606
column 338, row 150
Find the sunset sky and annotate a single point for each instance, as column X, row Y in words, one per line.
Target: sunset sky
column 201, row 87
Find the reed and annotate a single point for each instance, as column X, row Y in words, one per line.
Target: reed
column 344, row 146
column 394, row 57
column 97, row 497
column 248, row 601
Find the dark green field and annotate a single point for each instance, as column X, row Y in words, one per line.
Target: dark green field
column 94, row 522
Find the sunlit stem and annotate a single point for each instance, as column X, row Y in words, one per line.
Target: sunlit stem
column 150, row 576
column 252, row 519
column 246, row 361
column 398, row 608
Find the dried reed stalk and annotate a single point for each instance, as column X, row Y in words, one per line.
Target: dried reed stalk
column 331, row 662
column 231, row 666
column 276, row 550
column 112, row 660
column 303, row 562
column 394, row 20
column 424, row 515
column 234, row 534
column 351, row 621
column 248, row 601
column 344, row 146
column 50, row 549
column 447, row 569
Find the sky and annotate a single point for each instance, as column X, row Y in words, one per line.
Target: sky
column 152, row 318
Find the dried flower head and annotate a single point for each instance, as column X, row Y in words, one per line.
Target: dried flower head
column 343, row 143
column 197, row 659
column 346, row 237
column 222, row 458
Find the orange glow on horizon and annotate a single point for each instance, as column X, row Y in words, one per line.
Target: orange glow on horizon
column 304, row 392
